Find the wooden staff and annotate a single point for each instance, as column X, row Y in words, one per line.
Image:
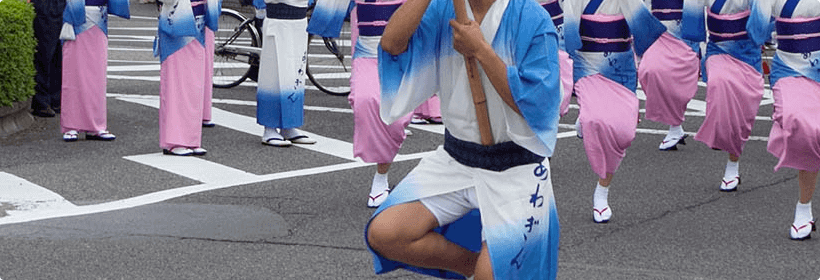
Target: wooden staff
column 479, row 98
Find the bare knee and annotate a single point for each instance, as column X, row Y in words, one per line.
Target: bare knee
column 382, row 235
column 395, row 228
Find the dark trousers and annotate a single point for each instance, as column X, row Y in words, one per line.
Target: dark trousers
column 48, row 60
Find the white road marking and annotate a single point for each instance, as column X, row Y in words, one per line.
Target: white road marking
column 26, row 196
column 194, row 168
column 248, row 125
column 29, row 216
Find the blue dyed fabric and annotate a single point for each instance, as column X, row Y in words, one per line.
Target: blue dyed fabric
column 616, row 66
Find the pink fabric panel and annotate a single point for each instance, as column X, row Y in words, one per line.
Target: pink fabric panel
column 209, row 74
column 565, row 67
column 181, row 97
column 429, row 109
column 609, row 119
column 733, row 93
column 373, row 140
column 668, row 74
column 83, row 101
column 795, row 134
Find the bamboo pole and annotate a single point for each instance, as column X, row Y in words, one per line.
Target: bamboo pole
column 479, row 98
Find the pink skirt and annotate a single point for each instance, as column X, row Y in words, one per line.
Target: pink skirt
column 565, row 67
column 609, row 119
column 209, row 74
column 83, row 101
column 795, row 134
column 429, row 109
column 733, row 93
column 668, row 74
column 373, row 140
column 181, row 96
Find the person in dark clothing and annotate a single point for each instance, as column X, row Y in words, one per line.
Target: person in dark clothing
column 48, row 58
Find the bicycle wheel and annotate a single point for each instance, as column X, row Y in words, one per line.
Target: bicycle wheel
column 329, row 62
column 232, row 67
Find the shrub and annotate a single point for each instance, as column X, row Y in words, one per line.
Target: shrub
column 17, row 46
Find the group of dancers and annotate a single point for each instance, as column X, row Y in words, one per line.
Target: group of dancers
column 487, row 211
column 666, row 36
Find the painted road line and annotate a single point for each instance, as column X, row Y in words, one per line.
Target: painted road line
column 29, row 216
column 248, row 125
column 194, row 168
column 26, row 196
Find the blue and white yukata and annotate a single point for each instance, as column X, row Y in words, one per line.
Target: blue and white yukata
column 556, row 11
column 734, row 91
column 795, row 80
column 280, row 94
column 669, row 69
column 601, row 35
column 516, row 213
column 180, row 45
column 85, row 61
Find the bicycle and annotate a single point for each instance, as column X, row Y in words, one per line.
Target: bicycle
column 238, row 48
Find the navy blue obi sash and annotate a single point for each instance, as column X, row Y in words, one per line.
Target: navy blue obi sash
column 285, row 11
column 667, row 9
column 555, row 11
column 498, row 157
column 618, row 30
column 722, row 29
column 199, row 10
column 786, row 31
column 96, row 2
column 369, row 12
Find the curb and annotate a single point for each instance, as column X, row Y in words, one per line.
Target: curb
column 15, row 118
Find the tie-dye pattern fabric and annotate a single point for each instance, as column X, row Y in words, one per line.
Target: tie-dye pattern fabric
column 521, row 34
column 328, row 17
column 81, row 18
column 518, row 216
column 616, row 66
column 693, row 27
column 280, row 94
column 670, row 13
column 177, row 27
column 805, row 17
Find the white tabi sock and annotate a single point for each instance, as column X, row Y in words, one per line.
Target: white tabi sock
column 599, row 198
column 379, row 184
column 675, row 131
column 731, row 170
column 270, row 132
column 802, row 213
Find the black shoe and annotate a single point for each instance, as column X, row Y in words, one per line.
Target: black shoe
column 56, row 109
column 44, row 113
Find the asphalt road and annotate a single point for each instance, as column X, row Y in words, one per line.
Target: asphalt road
column 120, row 210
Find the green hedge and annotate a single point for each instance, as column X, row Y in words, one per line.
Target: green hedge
column 17, row 46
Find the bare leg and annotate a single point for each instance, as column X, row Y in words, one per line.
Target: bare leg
column 382, row 168
column 484, row 267
column 807, row 181
column 734, row 158
column 405, row 233
column 606, row 181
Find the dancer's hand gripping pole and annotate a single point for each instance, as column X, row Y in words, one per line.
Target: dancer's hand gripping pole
column 479, row 98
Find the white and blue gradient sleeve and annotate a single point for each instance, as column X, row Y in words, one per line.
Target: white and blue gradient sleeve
column 530, row 50
column 212, row 14
column 120, row 8
column 73, row 18
column 645, row 27
column 176, row 19
column 693, row 23
column 412, row 77
column 328, row 17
